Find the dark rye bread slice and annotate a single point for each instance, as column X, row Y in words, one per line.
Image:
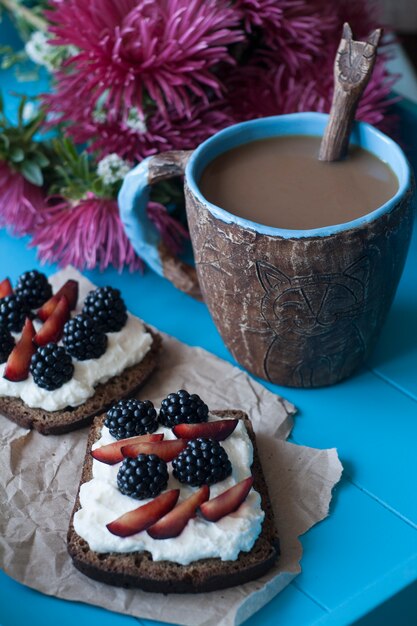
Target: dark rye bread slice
column 125, row 385
column 137, row 569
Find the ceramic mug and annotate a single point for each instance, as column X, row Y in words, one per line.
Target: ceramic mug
column 300, row 308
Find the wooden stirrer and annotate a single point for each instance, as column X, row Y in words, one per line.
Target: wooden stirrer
column 353, row 67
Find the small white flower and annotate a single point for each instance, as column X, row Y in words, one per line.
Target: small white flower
column 112, row 168
column 100, row 113
column 39, row 50
column 99, row 116
column 136, row 121
column 29, row 111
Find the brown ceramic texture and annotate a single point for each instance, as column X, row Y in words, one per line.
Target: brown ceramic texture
column 302, row 312
column 163, row 167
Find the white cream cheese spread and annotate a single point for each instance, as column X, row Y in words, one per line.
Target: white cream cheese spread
column 125, row 348
column 102, row 502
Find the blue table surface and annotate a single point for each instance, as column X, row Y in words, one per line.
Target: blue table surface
column 364, row 555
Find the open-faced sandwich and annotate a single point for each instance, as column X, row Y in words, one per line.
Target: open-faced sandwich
column 172, row 503
column 63, row 361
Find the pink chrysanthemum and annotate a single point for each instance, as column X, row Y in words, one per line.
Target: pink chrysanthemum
column 362, row 16
column 85, row 234
column 289, row 59
column 159, row 133
column 88, row 233
column 265, row 14
column 166, row 49
column 281, row 77
column 172, row 232
column 20, row 201
column 255, row 93
column 296, row 30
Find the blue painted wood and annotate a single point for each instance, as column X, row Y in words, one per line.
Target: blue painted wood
column 367, row 524
column 392, row 612
column 399, row 610
column 291, row 606
column 366, row 418
column 352, row 553
column 20, row 605
column 8, row 82
column 396, row 353
column 159, row 303
column 328, row 422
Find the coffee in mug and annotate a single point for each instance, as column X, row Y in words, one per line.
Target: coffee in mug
column 280, row 182
column 296, row 304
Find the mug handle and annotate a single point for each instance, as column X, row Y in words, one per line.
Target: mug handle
column 146, row 241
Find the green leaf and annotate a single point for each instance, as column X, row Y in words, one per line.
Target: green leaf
column 20, row 110
column 32, row 172
column 4, row 138
column 71, row 150
column 16, row 155
column 64, row 174
column 97, row 186
column 85, row 171
column 33, row 126
column 41, row 159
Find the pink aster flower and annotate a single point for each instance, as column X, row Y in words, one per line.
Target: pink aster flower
column 86, row 234
column 21, row 202
column 260, row 14
column 362, row 16
column 255, row 93
column 159, row 132
column 265, row 86
column 172, row 232
column 295, row 30
column 164, row 48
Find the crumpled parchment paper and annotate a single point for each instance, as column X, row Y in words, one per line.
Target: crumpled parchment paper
column 39, row 478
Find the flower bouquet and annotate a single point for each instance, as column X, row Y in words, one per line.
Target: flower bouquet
column 130, row 78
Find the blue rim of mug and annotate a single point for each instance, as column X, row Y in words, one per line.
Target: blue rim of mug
column 312, row 124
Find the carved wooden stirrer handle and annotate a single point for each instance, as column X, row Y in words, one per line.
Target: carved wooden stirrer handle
column 353, row 67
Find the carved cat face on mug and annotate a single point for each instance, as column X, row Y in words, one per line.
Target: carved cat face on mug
column 312, row 305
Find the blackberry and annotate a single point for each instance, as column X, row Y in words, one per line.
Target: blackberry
column 82, row 339
column 107, row 308
column 129, row 418
column 143, row 477
column 182, row 408
column 13, row 312
column 6, row 344
column 203, row 462
column 33, row 287
column 51, row 366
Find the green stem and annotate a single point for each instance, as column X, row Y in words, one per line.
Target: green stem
column 34, row 20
